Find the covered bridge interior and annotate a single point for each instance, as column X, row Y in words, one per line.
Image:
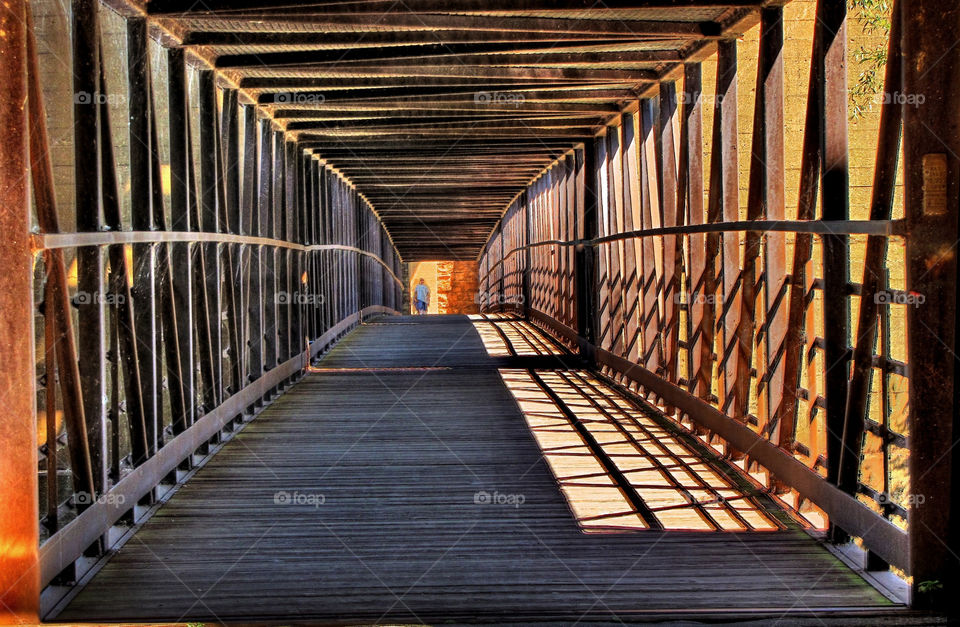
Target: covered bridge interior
column 713, row 376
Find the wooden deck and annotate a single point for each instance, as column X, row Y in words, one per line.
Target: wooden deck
column 353, row 498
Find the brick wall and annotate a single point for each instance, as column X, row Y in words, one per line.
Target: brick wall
column 457, row 285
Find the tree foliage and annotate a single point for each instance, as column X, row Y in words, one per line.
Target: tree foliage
column 874, row 17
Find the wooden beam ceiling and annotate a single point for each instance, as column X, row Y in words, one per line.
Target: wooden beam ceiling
column 383, row 8
column 440, row 113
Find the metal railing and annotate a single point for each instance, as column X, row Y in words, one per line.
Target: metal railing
column 165, row 322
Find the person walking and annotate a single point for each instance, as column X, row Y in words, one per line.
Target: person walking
column 421, row 296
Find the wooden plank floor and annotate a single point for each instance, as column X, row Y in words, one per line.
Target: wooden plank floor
column 352, row 498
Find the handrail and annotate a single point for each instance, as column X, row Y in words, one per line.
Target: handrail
column 881, row 228
column 879, row 535
column 50, row 241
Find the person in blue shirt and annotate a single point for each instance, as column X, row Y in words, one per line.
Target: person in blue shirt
column 421, row 296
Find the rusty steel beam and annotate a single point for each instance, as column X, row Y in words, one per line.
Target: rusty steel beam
column 457, row 54
column 90, row 263
column 560, row 93
column 881, row 208
column 775, row 252
column 651, row 260
column 228, row 217
column 124, row 305
column 618, row 270
column 173, row 7
column 181, row 257
column 672, row 245
column 765, row 201
column 256, row 199
column 210, row 183
column 342, row 40
column 428, row 74
column 727, row 205
column 173, row 367
column 200, row 298
column 19, row 573
column 463, row 124
column 145, row 277
column 436, row 25
column 406, row 22
column 798, row 342
column 931, row 145
column 631, row 220
column 835, row 182
column 723, row 187
column 428, row 106
column 690, row 211
column 57, row 310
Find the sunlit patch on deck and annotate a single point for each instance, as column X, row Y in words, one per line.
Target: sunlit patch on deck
column 618, row 468
column 505, row 335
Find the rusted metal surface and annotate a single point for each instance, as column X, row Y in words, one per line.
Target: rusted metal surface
column 208, row 221
column 931, row 143
column 180, row 253
column 57, row 297
column 585, row 268
column 173, row 372
column 146, row 312
column 881, row 208
column 725, row 146
column 774, row 329
column 834, row 182
column 690, row 207
column 765, row 201
column 632, row 257
column 651, row 250
column 800, row 328
column 90, row 263
column 672, row 245
column 726, row 207
column 124, row 309
column 19, row 576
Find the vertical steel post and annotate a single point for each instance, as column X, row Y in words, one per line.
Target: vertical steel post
column 19, row 574
column 585, row 280
column 91, row 317
column 931, row 145
column 835, row 183
column 180, row 221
